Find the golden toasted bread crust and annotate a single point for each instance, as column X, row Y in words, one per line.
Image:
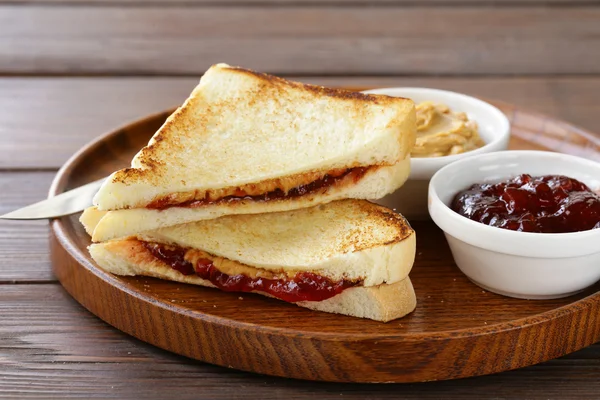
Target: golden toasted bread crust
column 381, row 303
column 317, row 90
column 375, row 226
column 216, row 140
column 152, row 164
column 379, row 216
column 344, row 240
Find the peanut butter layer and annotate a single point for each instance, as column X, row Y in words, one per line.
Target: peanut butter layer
column 273, row 189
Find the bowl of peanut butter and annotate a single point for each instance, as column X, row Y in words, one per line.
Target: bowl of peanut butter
column 450, row 126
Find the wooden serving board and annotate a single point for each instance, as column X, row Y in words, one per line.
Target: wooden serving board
column 458, row 329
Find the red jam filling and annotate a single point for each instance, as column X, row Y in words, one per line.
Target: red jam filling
column 321, row 183
column 304, row 286
column 544, row 204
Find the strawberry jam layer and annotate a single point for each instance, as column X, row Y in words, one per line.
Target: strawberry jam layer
column 304, row 286
column 543, row 204
column 320, row 184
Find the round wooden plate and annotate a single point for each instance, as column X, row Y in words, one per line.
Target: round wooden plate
column 458, row 329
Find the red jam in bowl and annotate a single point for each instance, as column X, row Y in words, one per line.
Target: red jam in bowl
column 543, row 204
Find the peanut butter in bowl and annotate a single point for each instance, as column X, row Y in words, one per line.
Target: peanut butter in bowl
column 450, row 126
column 443, row 132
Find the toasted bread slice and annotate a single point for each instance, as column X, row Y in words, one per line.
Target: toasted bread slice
column 383, row 302
column 245, row 133
column 349, row 239
column 122, row 223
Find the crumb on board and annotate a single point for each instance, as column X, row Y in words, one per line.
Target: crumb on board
column 240, row 298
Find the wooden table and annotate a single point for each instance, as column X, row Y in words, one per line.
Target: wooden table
column 73, row 69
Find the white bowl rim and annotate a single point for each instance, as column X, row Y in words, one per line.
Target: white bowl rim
column 554, row 243
column 499, row 136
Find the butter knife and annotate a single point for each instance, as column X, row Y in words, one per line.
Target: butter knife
column 65, row 203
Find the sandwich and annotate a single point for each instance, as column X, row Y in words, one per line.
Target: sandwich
column 249, row 143
column 349, row 257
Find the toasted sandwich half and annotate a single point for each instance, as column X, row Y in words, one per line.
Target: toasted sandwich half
column 348, row 257
column 246, row 142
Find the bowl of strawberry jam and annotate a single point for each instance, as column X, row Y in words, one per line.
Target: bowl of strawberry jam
column 523, row 224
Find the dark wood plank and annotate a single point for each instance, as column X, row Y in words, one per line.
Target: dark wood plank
column 52, row 347
column 44, row 121
column 24, row 244
column 74, row 111
column 300, row 40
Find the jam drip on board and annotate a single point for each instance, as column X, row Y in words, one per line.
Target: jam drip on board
column 304, row 286
column 321, row 183
column 543, row 204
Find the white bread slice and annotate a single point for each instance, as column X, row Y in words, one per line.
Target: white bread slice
column 122, row 223
column 239, row 127
column 347, row 239
column 383, row 303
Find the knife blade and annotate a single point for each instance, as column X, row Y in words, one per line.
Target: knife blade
column 65, row 203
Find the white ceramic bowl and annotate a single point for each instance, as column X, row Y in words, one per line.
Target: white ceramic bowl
column 517, row 264
column 494, row 129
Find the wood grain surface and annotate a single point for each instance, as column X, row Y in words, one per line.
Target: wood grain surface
column 24, row 251
column 299, row 40
column 73, row 111
column 65, row 351
column 50, row 347
column 458, row 329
